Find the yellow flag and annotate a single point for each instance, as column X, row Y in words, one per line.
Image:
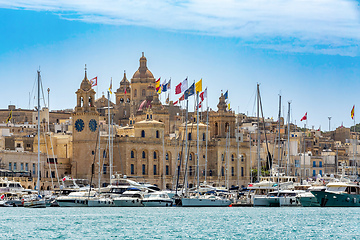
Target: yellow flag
column 198, row 86
column 229, row 106
column 110, row 88
column 9, row 118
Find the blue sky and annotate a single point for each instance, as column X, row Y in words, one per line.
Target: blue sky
column 307, row 51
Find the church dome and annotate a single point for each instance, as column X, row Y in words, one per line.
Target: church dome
column 143, row 72
column 147, row 74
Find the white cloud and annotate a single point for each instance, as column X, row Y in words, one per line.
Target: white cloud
column 321, row 26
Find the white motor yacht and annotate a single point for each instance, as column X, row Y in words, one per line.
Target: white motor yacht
column 130, row 199
column 10, row 186
column 100, row 201
column 280, row 198
column 76, row 199
column 157, row 199
column 205, row 201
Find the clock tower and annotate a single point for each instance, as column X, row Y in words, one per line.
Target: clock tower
column 84, row 131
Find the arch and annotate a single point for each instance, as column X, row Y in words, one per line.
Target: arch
column 132, row 154
column 121, row 100
column 242, row 158
column 168, row 156
column 143, row 154
column 216, row 129
column 191, row 156
column 142, row 133
column 232, row 157
column 155, row 155
column 226, row 127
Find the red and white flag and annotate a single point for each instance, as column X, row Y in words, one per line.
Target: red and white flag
column 304, row 117
column 176, row 102
column 2, row 197
column 64, row 179
column 181, row 87
column 93, row 81
column 203, row 95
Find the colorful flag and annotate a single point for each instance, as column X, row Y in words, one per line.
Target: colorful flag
column 165, row 87
column 125, row 91
column 198, row 86
column 203, row 95
column 304, row 117
column 2, row 197
column 190, row 91
column 169, row 84
column 184, row 85
column 93, row 81
column 178, row 89
column 182, row 98
column 229, row 106
column 157, row 85
column 9, row 117
column 110, row 88
column 226, row 95
column 176, row 102
column 353, row 112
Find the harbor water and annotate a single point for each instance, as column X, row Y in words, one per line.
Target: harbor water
column 177, row 223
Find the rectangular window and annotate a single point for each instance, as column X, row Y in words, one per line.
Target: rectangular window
column 232, row 171
column 314, row 163
column 154, row 169
column 314, row 173
column 167, row 170
column 143, row 169
column 22, row 166
column 10, row 167
column 14, row 166
column 320, row 172
column 297, row 163
column 34, row 169
column 26, row 167
column 242, row 171
column 53, row 174
column 320, row 164
column 132, row 170
column 104, row 169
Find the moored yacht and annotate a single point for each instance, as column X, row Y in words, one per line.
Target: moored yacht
column 129, row 199
column 205, row 201
column 76, row 199
column 157, row 199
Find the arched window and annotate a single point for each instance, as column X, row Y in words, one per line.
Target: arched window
column 155, row 172
column 143, row 154
column 155, row 155
column 222, row 171
column 132, row 169
column 135, row 93
column 121, row 100
column 143, row 133
column 132, row 154
column 167, row 156
column 210, row 172
column 232, row 171
column 143, row 169
column 189, row 136
column 242, row 158
column 227, row 127
column 232, row 157
column 190, row 157
column 157, row 134
column 222, row 157
column 143, row 92
column 242, row 171
column 167, row 170
column 216, row 129
column 190, row 171
column 204, row 137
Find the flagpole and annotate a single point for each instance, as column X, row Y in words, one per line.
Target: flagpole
column 206, row 143
column 354, row 148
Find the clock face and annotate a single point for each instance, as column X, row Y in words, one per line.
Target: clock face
column 79, row 125
column 93, row 125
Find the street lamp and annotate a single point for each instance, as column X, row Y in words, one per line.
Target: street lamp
column 329, row 122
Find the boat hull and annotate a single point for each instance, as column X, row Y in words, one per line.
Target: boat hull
column 128, row 203
column 157, row 203
column 35, row 204
column 72, row 203
column 332, row 199
column 308, row 201
column 200, row 202
column 100, row 203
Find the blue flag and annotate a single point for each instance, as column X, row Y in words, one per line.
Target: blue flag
column 226, row 95
column 190, row 91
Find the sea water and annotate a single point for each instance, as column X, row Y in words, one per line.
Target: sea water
column 177, row 223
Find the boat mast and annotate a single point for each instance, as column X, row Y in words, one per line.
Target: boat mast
column 279, row 118
column 163, row 163
column 109, row 138
column 237, row 151
column 99, row 158
column 288, row 141
column 258, row 133
column 186, row 146
column 38, row 108
column 197, row 144
column 206, row 142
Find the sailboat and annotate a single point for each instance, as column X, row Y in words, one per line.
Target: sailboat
column 38, row 202
column 199, row 200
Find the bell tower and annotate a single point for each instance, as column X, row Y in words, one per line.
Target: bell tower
column 84, row 130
